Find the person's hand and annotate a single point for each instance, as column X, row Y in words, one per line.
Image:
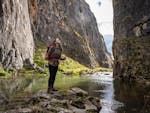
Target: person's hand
column 63, row 57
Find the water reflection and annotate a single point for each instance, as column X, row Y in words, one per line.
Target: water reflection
column 132, row 95
column 106, row 92
column 116, row 96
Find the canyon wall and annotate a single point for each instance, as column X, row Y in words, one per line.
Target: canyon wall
column 131, row 46
column 16, row 40
column 74, row 23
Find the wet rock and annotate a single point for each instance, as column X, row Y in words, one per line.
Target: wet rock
column 62, row 110
column 50, row 103
column 45, row 104
column 3, row 98
column 95, row 101
column 79, row 92
column 33, row 100
column 42, row 94
column 137, row 31
column 77, row 110
column 79, row 103
column 71, row 94
column 37, row 109
column 25, row 110
column 90, row 108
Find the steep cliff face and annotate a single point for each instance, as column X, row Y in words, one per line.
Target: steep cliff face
column 74, row 23
column 16, row 41
column 131, row 47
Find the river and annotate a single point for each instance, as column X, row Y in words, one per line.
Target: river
column 116, row 96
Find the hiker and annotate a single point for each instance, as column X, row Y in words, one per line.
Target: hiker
column 53, row 55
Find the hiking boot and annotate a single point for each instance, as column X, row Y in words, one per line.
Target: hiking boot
column 54, row 89
column 49, row 90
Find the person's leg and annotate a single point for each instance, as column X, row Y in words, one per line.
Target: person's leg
column 55, row 72
column 50, row 81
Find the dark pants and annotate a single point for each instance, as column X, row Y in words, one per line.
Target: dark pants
column 53, row 72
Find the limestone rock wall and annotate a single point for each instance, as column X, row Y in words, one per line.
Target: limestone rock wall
column 131, row 46
column 16, row 41
column 71, row 20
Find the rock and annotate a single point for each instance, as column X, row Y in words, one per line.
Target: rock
column 16, row 40
column 95, row 101
column 45, row 104
column 40, row 70
column 71, row 94
column 3, row 98
column 33, row 101
column 79, row 92
column 74, row 23
column 42, row 94
column 49, row 103
column 62, row 110
column 10, row 86
column 25, row 110
column 147, row 83
column 68, row 73
column 37, row 109
column 77, row 110
column 90, row 108
column 131, row 39
column 62, row 104
column 79, row 103
column 10, row 111
column 137, row 31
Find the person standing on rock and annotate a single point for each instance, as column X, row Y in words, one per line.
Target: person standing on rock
column 53, row 55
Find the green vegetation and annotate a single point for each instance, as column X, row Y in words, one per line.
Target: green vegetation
column 4, row 73
column 67, row 67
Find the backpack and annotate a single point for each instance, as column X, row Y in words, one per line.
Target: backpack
column 53, row 52
column 56, row 52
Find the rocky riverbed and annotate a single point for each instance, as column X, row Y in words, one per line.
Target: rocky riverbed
column 74, row 100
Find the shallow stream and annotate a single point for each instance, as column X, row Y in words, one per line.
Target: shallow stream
column 116, row 96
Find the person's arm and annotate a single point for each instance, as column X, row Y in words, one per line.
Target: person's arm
column 63, row 57
column 48, row 52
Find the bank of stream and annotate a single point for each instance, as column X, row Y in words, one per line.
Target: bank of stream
column 115, row 96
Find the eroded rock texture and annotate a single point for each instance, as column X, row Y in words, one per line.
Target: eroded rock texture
column 131, row 47
column 16, row 41
column 75, row 24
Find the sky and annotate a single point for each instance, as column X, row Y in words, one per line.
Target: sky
column 103, row 14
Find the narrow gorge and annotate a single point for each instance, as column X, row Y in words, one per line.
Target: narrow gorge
column 85, row 80
column 25, row 25
column 71, row 21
